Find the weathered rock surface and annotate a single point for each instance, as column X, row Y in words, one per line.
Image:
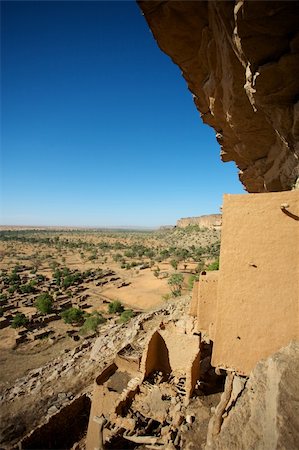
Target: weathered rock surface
column 266, row 413
column 240, row 60
column 35, row 399
column 208, row 221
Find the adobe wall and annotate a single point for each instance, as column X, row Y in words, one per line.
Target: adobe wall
column 102, row 403
column 258, row 286
column 173, row 352
column 194, row 300
column 130, row 365
column 156, row 357
column 61, row 430
column 207, row 302
column 182, row 348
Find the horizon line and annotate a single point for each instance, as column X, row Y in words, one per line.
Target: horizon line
column 85, row 227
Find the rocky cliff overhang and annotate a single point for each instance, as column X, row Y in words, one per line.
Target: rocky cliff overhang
column 241, row 62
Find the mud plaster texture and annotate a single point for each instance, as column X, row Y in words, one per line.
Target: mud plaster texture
column 194, row 300
column 258, row 286
column 207, row 303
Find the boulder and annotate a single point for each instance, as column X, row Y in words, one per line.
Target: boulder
column 265, row 416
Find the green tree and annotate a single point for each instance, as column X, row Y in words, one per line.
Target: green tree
column 175, row 282
column 91, row 323
column 200, row 266
column 44, row 303
column 214, row 265
column 19, row 320
column 174, row 264
column 191, row 280
column 126, row 315
column 115, row 307
column 28, row 288
column 72, row 315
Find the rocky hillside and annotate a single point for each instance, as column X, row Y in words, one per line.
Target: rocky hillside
column 45, row 392
column 240, row 60
column 50, row 399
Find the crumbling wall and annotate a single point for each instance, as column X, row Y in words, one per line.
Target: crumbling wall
column 207, row 302
column 258, row 286
column 182, row 348
column 156, row 356
column 102, row 402
column 62, row 429
column 194, row 300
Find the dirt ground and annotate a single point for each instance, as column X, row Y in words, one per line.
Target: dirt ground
column 144, row 292
column 136, row 288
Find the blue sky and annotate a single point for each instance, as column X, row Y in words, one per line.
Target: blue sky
column 98, row 126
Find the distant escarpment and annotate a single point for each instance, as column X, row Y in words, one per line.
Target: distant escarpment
column 208, row 221
column 240, row 60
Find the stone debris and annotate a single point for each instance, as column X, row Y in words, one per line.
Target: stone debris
column 73, row 371
column 265, row 408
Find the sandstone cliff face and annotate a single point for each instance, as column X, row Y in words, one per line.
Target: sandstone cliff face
column 209, row 221
column 241, row 61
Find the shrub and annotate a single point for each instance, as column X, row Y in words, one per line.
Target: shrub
column 19, row 320
column 200, row 266
column 115, row 307
column 157, row 272
column 214, row 265
column 28, row 288
column 44, row 303
column 72, row 315
column 12, row 289
column 191, row 280
column 126, row 315
column 175, row 282
column 92, row 322
column 14, row 278
column 174, row 264
column 3, row 297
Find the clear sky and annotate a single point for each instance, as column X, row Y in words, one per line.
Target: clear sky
column 98, row 126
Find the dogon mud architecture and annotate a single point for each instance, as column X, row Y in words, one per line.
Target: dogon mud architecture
column 133, row 394
column 249, row 308
column 241, row 61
